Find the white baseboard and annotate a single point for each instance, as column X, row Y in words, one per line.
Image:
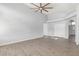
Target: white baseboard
column 56, row 36
column 7, row 43
column 77, row 42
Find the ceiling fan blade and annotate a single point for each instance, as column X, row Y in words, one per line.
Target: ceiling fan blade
column 37, row 10
column 48, row 7
column 45, row 10
column 46, row 4
column 40, row 4
column 35, row 5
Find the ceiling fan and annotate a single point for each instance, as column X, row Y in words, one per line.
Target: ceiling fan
column 41, row 7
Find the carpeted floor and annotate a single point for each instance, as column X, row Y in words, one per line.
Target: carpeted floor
column 45, row 46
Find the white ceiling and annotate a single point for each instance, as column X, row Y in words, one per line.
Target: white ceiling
column 57, row 7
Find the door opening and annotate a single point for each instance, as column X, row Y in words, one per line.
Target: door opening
column 72, row 30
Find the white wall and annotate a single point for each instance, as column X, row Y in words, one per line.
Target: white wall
column 77, row 25
column 45, row 29
column 18, row 22
column 51, row 29
column 59, row 29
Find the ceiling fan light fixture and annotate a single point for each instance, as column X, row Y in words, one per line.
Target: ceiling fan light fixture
column 41, row 7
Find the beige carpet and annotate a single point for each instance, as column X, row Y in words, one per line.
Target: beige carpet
column 45, row 46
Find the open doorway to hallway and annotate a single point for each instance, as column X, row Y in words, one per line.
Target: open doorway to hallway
column 72, row 30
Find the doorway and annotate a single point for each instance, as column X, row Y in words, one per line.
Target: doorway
column 72, row 30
